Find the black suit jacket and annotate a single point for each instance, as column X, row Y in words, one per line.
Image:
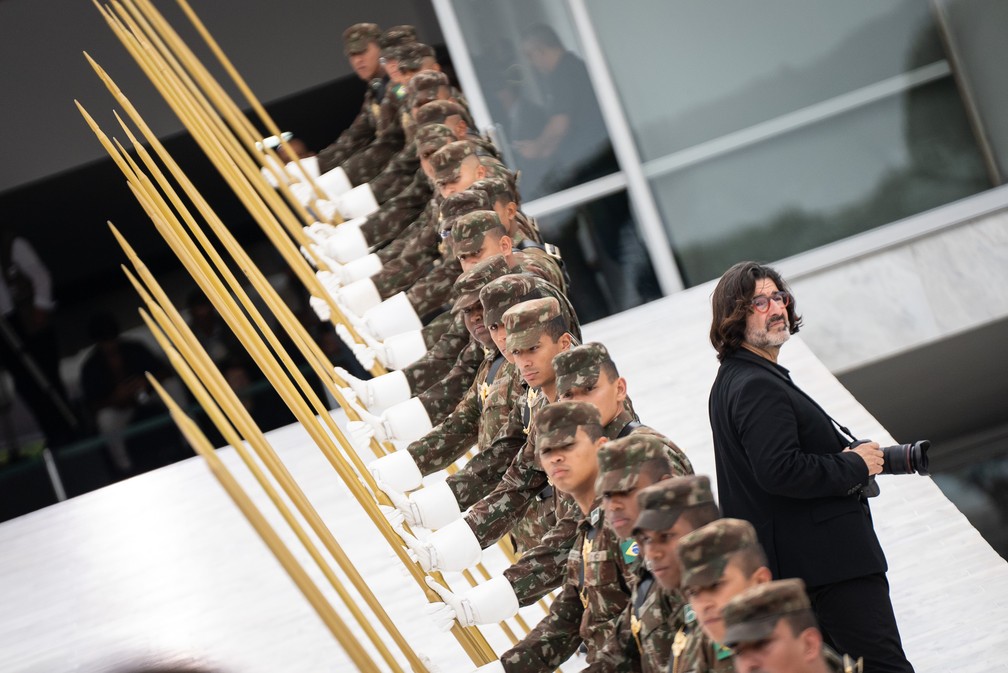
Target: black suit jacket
column 780, row 467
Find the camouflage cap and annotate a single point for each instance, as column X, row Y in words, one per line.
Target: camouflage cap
column 447, row 161
column 704, row 553
column 425, row 86
column 752, row 615
column 437, row 111
column 357, row 37
column 396, row 37
column 412, row 55
column 495, row 188
column 580, row 367
column 556, row 425
column 500, row 295
column 457, row 205
column 620, row 461
column 470, row 230
column 526, row 322
column 467, row 287
column 430, row 138
column 662, row 503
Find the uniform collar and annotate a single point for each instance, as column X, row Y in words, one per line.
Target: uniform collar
column 616, row 425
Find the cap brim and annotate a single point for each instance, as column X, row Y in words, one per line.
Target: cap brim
column 750, row 631
column 702, row 576
column 616, row 482
column 465, row 301
column 657, row 519
column 522, row 341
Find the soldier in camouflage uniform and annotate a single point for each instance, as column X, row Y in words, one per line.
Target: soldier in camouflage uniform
column 360, row 44
column 504, row 200
column 771, row 628
column 480, row 234
column 718, row 561
column 644, row 632
column 597, row 585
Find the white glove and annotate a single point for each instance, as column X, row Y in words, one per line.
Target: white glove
column 453, row 548
column 359, row 387
column 360, row 296
column 402, row 350
column 492, row 667
column 488, row 603
column 321, row 308
column 344, row 334
column 334, row 183
column 325, row 209
column 319, row 231
column 407, row 421
column 358, row 202
column 432, row 507
column 347, row 243
column 362, row 267
column 385, row 391
column 365, row 356
column 303, row 192
column 393, row 316
column 309, row 167
column 330, row 281
column 398, row 470
column 360, row 434
column 377, row 423
column 278, row 168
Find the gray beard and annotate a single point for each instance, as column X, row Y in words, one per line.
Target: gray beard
column 764, row 340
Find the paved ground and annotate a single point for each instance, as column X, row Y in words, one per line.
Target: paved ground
column 163, row 565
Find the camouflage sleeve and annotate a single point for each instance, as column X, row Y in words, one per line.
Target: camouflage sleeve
column 366, row 164
column 397, row 174
column 493, row 516
column 396, row 214
column 434, row 289
column 620, row 653
column 681, row 464
column 392, row 251
column 437, row 328
column 541, row 569
column 439, row 399
column 553, row 640
column 353, row 139
column 449, row 441
column 412, row 262
column 440, row 358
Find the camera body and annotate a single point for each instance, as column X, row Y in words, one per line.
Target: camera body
column 898, row 459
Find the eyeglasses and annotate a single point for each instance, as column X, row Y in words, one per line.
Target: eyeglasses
column 762, row 303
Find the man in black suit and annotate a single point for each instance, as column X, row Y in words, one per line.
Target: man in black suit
column 783, row 466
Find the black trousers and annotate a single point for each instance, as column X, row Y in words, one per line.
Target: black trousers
column 856, row 618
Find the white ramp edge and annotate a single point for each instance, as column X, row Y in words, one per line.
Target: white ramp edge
column 164, row 566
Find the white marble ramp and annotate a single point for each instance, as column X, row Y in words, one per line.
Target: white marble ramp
column 164, row 565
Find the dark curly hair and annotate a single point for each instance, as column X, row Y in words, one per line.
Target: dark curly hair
column 731, row 307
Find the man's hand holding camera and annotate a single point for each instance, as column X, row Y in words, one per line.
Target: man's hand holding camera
column 871, row 454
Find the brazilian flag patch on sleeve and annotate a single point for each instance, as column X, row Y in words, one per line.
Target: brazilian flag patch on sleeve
column 631, row 550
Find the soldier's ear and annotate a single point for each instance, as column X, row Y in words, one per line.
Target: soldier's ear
column 507, row 245
column 811, row 644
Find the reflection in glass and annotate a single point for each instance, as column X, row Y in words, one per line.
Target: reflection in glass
column 821, row 183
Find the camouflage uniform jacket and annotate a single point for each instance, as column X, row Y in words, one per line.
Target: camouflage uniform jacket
column 390, row 253
column 439, row 359
column 527, row 227
column 595, row 591
column 398, row 212
column 476, row 419
column 541, row 569
column 418, row 252
column 434, row 288
column 694, row 652
column 444, row 395
column 355, row 137
column 397, row 174
column 643, row 634
column 366, row 164
column 540, row 263
column 437, row 328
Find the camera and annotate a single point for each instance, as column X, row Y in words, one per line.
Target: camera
column 898, row 459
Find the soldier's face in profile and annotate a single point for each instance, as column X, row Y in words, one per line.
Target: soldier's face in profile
column 536, row 363
column 622, row 510
column 473, row 319
column 366, row 63
column 606, row 394
column 708, row 601
column 492, row 245
column 572, row 468
column 780, row 652
column 659, row 549
column 470, row 170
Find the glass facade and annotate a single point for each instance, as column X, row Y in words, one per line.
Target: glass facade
column 768, row 129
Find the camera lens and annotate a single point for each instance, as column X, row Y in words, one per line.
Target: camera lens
column 906, row 458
